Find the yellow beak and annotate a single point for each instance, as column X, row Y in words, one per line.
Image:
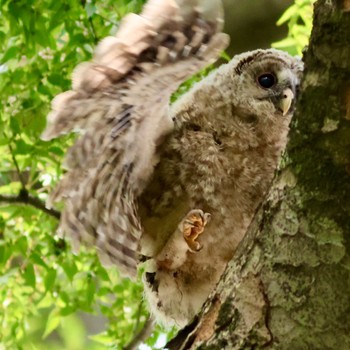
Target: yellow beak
column 286, row 101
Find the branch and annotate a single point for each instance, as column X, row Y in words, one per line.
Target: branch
column 25, row 198
column 142, row 335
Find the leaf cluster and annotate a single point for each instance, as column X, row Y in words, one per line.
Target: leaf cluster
column 299, row 19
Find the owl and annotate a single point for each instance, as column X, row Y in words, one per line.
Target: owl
column 171, row 188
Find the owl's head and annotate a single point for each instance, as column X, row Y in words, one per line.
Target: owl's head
column 268, row 79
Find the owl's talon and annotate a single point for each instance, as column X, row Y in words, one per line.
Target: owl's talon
column 192, row 226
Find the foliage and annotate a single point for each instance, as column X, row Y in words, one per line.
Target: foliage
column 48, row 296
column 299, row 19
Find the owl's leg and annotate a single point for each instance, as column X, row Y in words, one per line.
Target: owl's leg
column 172, row 298
column 183, row 241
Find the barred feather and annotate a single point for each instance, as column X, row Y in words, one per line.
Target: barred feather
column 119, row 104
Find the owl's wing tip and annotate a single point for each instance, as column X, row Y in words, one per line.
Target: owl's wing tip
column 126, row 270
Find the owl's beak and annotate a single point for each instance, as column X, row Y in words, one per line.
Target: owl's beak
column 286, row 101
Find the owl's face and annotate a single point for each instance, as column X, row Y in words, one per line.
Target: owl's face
column 270, row 78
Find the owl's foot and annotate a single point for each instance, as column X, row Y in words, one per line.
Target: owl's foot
column 192, row 226
column 174, row 253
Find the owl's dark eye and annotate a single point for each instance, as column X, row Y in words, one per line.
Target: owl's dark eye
column 267, row 80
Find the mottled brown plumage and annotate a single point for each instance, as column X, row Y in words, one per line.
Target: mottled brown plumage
column 221, row 156
column 178, row 186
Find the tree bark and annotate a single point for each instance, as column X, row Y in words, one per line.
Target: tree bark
column 288, row 286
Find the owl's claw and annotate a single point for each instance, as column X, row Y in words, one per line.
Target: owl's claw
column 192, row 226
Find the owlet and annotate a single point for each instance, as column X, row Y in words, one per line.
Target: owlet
column 175, row 185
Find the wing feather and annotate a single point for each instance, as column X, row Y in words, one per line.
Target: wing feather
column 119, row 106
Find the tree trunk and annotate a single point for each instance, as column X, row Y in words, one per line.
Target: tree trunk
column 288, row 286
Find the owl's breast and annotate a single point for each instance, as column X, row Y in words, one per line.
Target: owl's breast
column 200, row 169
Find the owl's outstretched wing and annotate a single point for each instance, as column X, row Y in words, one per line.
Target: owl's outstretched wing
column 119, row 104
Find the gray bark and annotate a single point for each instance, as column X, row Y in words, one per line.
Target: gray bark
column 288, row 286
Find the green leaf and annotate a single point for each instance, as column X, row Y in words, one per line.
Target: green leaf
column 102, row 338
column 21, row 245
column 2, row 37
column 56, row 150
column 90, row 292
column 70, row 269
column 35, row 257
column 103, row 274
column 5, row 253
column 90, row 9
column 11, row 53
column 15, row 126
column 65, row 297
column 55, row 79
column 29, row 276
column 284, row 43
column 68, row 310
column 104, row 291
column 52, row 322
column 50, row 279
column 45, row 302
column 287, row 15
column 22, row 147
